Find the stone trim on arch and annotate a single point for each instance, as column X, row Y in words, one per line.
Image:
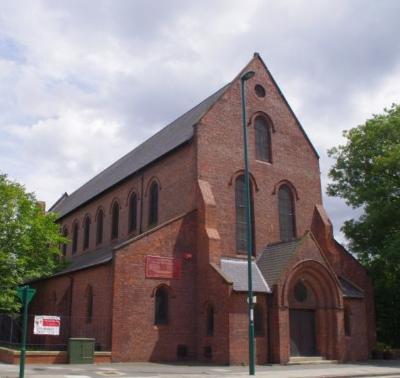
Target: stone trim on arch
column 150, row 182
column 113, row 201
column 165, row 286
column 132, row 190
column 99, row 208
column 87, row 215
column 263, row 115
column 240, row 172
column 327, row 289
column 289, row 184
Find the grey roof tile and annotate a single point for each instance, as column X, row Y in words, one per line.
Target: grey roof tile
column 88, row 260
column 274, row 259
column 236, row 271
column 166, row 140
column 349, row 289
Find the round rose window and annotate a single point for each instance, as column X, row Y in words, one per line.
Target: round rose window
column 260, row 91
column 300, row 292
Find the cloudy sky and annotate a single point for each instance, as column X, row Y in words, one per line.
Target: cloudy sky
column 82, row 82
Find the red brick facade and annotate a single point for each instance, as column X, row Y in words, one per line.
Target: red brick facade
column 196, row 226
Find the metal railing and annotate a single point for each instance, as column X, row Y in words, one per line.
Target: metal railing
column 97, row 328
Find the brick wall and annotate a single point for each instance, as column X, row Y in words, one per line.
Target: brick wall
column 135, row 336
column 175, row 173
column 220, row 157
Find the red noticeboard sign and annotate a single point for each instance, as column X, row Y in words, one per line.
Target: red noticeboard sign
column 47, row 325
column 163, row 267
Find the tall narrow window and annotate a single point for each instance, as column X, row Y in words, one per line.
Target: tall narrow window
column 161, row 306
column 241, row 222
column 64, row 245
column 89, row 304
column 115, row 221
column 347, row 322
column 262, row 139
column 86, row 233
column 99, row 229
column 286, row 214
column 75, row 235
column 258, row 321
column 210, row 320
column 153, row 204
column 132, row 221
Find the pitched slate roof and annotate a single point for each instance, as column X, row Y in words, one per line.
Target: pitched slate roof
column 236, row 271
column 170, row 137
column 349, row 289
column 87, row 260
column 274, row 258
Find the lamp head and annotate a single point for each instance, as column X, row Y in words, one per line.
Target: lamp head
column 247, row 75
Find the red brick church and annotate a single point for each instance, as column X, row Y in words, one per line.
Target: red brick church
column 157, row 262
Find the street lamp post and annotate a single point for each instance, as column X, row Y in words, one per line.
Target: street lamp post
column 246, row 76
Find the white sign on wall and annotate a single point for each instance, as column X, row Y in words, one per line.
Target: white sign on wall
column 47, row 325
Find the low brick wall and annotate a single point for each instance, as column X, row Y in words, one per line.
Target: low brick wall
column 10, row 356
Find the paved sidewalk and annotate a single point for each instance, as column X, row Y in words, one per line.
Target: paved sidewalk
column 148, row 370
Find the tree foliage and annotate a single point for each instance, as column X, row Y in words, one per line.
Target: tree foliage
column 29, row 241
column 367, row 175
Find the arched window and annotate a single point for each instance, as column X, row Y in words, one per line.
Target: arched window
column 153, row 204
column 210, row 320
column 99, row 229
column 347, row 321
column 89, row 304
column 86, row 233
column 161, row 306
column 287, row 225
column 115, row 221
column 258, row 320
column 64, row 245
column 241, row 224
column 75, row 235
column 262, row 139
column 132, row 221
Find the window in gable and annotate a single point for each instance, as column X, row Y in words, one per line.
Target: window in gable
column 287, row 224
column 241, row 222
column 262, row 139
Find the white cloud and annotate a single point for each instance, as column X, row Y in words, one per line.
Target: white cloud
column 83, row 82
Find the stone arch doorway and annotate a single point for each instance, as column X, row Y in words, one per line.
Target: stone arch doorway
column 313, row 299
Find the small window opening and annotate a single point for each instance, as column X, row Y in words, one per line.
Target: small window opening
column 99, row 231
column 86, row 233
column 181, row 351
column 115, row 221
column 258, row 321
column 132, row 222
column 347, row 322
column 89, row 304
column 210, row 320
column 75, row 232
column 161, row 307
column 207, row 352
column 153, row 205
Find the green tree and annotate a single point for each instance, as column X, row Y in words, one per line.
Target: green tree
column 29, row 241
column 367, row 175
